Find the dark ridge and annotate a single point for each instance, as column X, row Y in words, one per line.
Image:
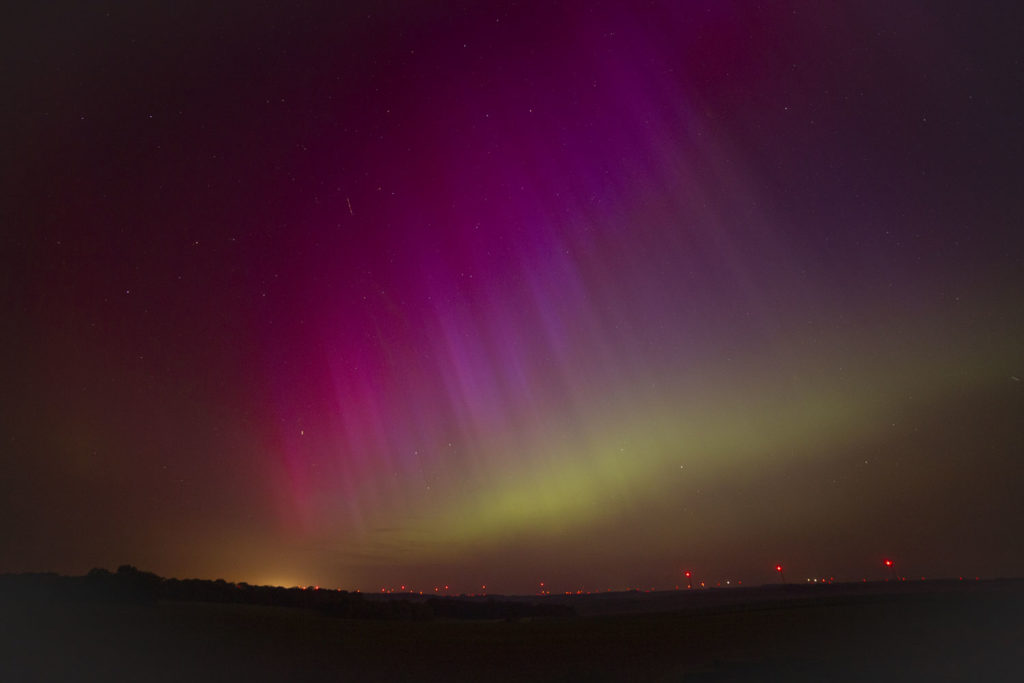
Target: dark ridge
column 130, row 585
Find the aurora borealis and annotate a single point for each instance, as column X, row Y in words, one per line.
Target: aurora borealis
column 500, row 293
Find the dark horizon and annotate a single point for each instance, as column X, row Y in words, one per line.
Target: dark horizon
column 133, row 626
column 545, row 588
column 370, row 293
column 98, row 584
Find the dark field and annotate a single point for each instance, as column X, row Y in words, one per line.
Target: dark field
column 930, row 631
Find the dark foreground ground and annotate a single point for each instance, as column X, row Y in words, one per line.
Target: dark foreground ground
column 971, row 631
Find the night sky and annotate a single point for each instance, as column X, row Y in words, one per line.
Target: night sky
column 467, row 293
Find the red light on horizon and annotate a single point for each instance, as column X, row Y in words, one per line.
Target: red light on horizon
column 778, row 567
column 887, row 563
column 687, row 574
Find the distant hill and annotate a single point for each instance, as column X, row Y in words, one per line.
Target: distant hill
column 131, row 585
